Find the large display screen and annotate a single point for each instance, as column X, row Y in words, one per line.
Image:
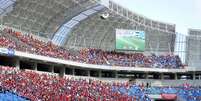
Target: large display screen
column 130, row 40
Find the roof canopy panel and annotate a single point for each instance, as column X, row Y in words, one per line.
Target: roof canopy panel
column 41, row 16
column 5, row 4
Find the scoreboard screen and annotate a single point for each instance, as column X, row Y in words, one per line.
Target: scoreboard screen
column 130, row 40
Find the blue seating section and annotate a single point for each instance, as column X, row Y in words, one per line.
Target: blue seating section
column 7, row 96
column 185, row 93
column 134, row 91
column 153, row 90
column 190, row 94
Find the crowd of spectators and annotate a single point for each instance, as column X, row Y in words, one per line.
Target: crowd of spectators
column 46, row 87
column 190, row 93
column 39, row 47
column 5, row 42
column 183, row 92
column 91, row 56
column 96, row 56
column 43, row 86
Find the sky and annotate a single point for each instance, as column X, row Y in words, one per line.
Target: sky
column 184, row 13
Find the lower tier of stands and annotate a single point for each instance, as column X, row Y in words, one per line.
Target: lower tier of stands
column 44, row 86
column 48, row 87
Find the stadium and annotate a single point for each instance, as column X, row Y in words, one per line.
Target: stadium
column 94, row 50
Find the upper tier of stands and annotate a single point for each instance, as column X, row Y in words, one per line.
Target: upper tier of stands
column 89, row 56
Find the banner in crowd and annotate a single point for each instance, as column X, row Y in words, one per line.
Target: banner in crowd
column 6, row 51
column 130, row 40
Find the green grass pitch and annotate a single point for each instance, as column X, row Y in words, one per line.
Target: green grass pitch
column 130, row 43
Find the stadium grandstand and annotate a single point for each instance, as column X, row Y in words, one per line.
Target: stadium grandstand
column 94, row 50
